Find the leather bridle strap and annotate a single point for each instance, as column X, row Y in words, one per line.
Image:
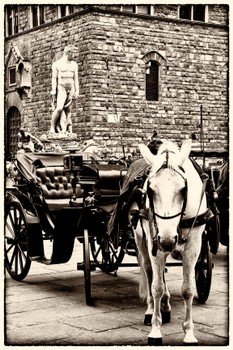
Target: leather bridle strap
column 150, row 196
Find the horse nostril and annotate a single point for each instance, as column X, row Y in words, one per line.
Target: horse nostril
column 167, row 244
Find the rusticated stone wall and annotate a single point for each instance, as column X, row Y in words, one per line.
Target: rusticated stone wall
column 112, row 50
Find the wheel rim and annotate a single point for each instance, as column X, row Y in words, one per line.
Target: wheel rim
column 17, row 260
column 203, row 274
column 106, row 257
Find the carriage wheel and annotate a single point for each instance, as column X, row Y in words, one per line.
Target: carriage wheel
column 17, row 259
column 203, row 272
column 106, row 257
column 87, row 267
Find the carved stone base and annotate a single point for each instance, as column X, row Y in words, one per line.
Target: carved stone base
column 60, row 142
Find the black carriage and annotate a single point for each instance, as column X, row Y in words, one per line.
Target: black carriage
column 66, row 196
column 61, row 197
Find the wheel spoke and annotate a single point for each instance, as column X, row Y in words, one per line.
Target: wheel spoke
column 22, row 253
column 20, row 260
column 10, row 247
column 114, row 252
column 14, row 254
column 10, row 229
column 13, row 223
column 17, row 259
column 96, row 252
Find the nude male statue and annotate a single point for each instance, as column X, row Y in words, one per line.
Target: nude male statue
column 65, row 88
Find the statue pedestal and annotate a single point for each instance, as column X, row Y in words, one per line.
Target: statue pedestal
column 60, row 142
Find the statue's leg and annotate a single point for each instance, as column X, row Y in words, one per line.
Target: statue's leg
column 61, row 97
column 68, row 122
column 63, row 122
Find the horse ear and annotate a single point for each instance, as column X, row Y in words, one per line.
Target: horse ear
column 146, row 153
column 185, row 150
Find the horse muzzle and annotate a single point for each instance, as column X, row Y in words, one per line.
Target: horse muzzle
column 167, row 244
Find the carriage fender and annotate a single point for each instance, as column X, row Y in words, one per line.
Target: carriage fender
column 34, row 233
column 10, row 198
column 31, row 218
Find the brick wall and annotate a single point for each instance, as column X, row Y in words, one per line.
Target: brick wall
column 194, row 73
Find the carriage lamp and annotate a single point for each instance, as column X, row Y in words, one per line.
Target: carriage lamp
column 73, row 163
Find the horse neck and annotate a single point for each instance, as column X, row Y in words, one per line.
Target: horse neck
column 195, row 188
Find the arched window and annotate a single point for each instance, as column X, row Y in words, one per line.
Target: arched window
column 154, row 70
column 152, row 80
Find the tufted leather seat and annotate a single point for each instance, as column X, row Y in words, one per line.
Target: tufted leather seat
column 54, row 182
column 56, row 187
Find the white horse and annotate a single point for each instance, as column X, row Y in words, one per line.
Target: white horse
column 173, row 193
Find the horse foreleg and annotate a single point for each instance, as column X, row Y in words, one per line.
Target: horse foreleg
column 158, row 289
column 189, row 258
column 165, row 303
column 145, row 276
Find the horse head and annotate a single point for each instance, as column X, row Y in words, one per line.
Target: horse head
column 166, row 188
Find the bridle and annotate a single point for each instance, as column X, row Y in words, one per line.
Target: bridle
column 181, row 213
column 149, row 213
column 150, row 195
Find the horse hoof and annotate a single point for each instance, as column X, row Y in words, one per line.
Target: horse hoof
column 147, row 320
column 155, row 341
column 166, row 316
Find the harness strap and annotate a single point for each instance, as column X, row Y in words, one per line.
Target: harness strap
column 184, row 223
column 197, row 221
column 204, row 178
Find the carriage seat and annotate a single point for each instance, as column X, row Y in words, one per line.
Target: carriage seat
column 110, row 180
column 56, row 186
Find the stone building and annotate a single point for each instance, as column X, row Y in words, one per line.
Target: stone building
column 141, row 68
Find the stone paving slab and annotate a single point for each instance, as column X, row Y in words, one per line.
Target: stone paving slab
column 48, row 307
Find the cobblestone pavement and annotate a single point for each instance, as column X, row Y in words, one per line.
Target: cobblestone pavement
column 48, row 307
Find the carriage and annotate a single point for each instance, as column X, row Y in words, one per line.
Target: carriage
column 65, row 196
column 71, row 195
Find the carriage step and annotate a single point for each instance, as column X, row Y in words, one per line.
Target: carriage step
column 41, row 259
column 131, row 252
column 81, row 266
column 131, row 248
